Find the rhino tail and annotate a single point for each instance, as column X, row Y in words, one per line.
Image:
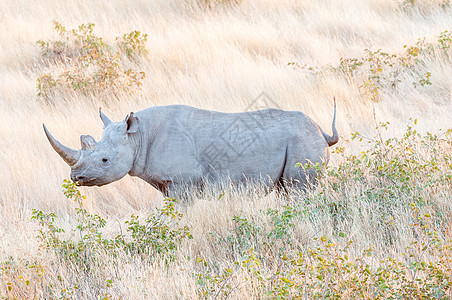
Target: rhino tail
column 331, row 140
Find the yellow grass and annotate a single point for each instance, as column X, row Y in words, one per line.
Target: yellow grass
column 217, row 58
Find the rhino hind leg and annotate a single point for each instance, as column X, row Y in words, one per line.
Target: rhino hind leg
column 280, row 188
column 304, row 149
column 297, row 177
column 301, row 181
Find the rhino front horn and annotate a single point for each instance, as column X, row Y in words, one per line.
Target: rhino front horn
column 69, row 155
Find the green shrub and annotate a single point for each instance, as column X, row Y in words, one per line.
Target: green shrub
column 133, row 43
column 412, row 4
column 213, row 283
column 398, row 171
column 91, row 66
column 211, row 4
column 21, row 279
column 327, row 271
column 160, row 234
column 83, row 252
column 404, row 165
column 86, row 247
column 379, row 70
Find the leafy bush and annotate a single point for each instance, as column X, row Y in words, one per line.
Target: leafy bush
column 404, row 171
column 21, row 279
column 91, row 66
column 211, row 4
column 378, row 69
column 380, row 72
column 133, row 43
column 86, row 247
column 328, row 272
column 421, row 4
column 160, row 235
column 81, row 253
column 213, row 284
column 407, row 165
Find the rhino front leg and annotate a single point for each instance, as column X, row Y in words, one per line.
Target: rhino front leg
column 184, row 193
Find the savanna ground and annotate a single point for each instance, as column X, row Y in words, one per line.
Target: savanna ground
column 378, row 224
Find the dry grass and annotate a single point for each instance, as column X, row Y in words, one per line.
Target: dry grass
column 220, row 58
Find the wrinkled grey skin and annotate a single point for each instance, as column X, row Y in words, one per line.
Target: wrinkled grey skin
column 166, row 146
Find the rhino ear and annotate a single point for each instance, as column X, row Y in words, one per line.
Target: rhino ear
column 132, row 123
column 88, row 142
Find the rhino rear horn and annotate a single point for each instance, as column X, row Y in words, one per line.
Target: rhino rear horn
column 104, row 118
column 69, row 155
column 88, row 142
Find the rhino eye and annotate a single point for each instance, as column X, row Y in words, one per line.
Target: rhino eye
column 104, row 160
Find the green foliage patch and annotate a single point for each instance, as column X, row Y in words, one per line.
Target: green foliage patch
column 408, row 5
column 378, row 72
column 81, row 62
column 328, row 271
column 409, row 172
column 86, row 249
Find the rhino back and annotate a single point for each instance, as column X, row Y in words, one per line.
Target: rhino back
column 188, row 143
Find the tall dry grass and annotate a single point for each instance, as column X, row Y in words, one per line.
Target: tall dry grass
column 217, row 57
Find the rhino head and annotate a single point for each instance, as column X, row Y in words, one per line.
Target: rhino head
column 99, row 163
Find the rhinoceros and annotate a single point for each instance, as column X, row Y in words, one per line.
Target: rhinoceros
column 178, row 149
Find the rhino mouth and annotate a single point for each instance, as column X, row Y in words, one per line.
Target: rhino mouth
column 89, row 182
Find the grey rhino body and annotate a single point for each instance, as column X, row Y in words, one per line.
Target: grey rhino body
column 179, row 148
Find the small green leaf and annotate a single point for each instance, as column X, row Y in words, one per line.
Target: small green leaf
column 286, row 280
